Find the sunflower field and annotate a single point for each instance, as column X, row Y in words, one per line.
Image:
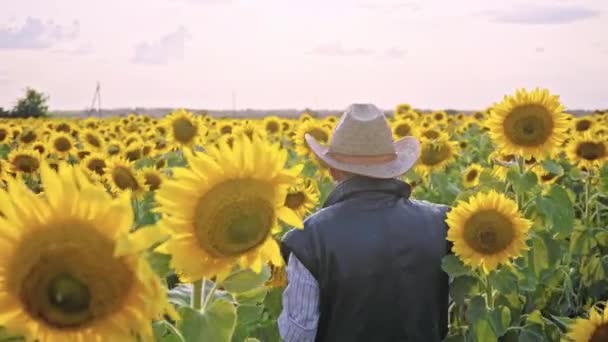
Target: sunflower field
column 138, row 228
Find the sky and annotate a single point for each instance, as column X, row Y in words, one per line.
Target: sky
column 320, row 54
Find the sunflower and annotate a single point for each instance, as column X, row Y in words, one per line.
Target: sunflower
column 133, row 152
column 121, row 175
column 583, row 124
column 432, row 133
column 250, row 129
column 302, row 197
column 153, row 178
column 470, row 177
column 272, row 125
column 594, row 329
column 435, row 155
column 62, row 278
column 225, row 127
column 183, row 128
column 24, row 161
column 528, row 123
column 5, row 134
column 402, row 109
column 224, row 208
column 94, row 165
column 91, row 139
column 28, row 136
column 544, row 176
column 315, row 129
column 487, row 230
column 588, row 152
column 403, row 128
column 61, row 144
column 114, row 148
column 439, row 117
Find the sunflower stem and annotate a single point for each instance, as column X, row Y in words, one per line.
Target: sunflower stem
column 587, row 198
column 197, row 293
column 489, row 294
column 209, row 296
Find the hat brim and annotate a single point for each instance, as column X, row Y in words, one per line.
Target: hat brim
column 407, row 150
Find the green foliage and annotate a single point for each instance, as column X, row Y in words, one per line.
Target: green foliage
column 33, row 104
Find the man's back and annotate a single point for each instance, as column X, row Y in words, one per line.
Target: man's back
column 376, row 256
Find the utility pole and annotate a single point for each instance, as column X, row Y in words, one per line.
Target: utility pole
column 96, row 99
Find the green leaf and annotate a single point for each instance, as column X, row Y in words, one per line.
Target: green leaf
column 476, row 309
column 581, row 241
column 503, row 281
column 522, row 183
column 540, row 256
column 248, row 314
column 160, row 263
column 163, row 332
column 216, row 324
column 452, row 265
column 273, row 302
column 500, row 319
column 246, row 280
column 483, row 331
column 255, row 296
column 552, row 166
column 536, row 317
column 558, row 210
column 593, row 271
column 462, row 288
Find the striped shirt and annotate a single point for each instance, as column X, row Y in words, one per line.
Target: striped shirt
column 300, row 316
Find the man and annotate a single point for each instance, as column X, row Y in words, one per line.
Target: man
column 367, row 267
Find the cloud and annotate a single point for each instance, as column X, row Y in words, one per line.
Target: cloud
column 169, row 48
column 543, row 15
column 389, row 7
column 335, row 49
column 396, row 52
column 36, row 34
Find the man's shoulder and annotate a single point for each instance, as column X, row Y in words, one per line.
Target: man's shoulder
column 436, row 208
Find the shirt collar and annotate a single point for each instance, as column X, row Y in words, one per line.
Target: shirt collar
column 359, row 184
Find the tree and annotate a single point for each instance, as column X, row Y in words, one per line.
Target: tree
column 34, row 104
column 4, row 113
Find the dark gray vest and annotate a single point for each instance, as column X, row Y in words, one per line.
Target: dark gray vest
column 376, row 255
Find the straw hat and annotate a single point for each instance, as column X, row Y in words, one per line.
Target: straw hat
column 362, row 143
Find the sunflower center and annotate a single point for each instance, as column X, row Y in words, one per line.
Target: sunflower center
column 28, row 137
column 403, row 130
column 489, row 232
column 472, row 175
column 124, row 179
column 547, row 177
column 63, row 127
column 600, row 334
column 433, row 154
column 68, row 294
column 529, row 125
column 431, row 134
column 39, row 148
column 152, row 180
column 295, row 200
column 272, row 127
column 3, row 134
column 66, row 275
column 133, row 154
column 97, row 166
column 62, row 144
column 319, row 134
column 93, row 140
column 183, row 130
column 235, row 217
column 590, row 150
column 583, row 125
column 227, row 129
column 25, row 163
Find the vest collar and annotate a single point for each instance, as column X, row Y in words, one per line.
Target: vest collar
column 360, row 184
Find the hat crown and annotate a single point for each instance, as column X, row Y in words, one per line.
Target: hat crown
column 362, row 131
